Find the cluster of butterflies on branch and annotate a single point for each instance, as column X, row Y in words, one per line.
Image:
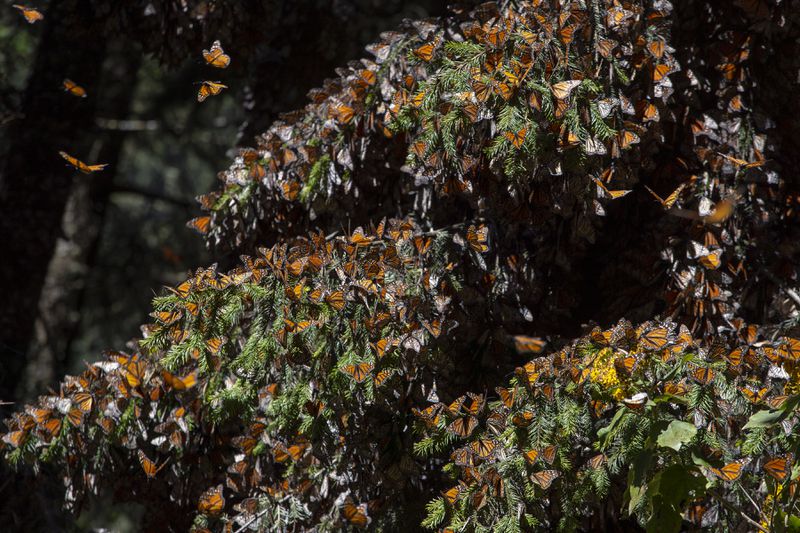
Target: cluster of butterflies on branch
column 215, row 57
column 663, row 371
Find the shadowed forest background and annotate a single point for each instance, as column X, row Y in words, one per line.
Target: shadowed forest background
column 85, row 254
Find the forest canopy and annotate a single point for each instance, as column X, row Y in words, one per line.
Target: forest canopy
column 524, row 266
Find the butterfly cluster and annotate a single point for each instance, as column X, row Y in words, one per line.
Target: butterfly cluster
column 556, row 434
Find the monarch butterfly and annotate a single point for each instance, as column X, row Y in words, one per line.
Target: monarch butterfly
column 84, row 400
column 523, row 419
column 52, row 427
column 80, row 165
column 422, row 244
column 382, row 376
column 528, row 345
column 180, row 383
column 637, row 401
column 703, row 375
column 504, row 90
column 670, row 200
column 31, row 14
column 654, row 339
column 209, row 88
column 609, row 193
column 150, row 467
column 200, row 224
column 779, row 467
column 755, row 396
column 730, row 472
column 563, row 89
column 425, row 52
column 789, row 348
column 518, row 138
column 358, row 372
column 477, row 237
column 675, row 389
column 507, row 396
column 482, row 448
column 710, row 261
column 73, row 88
column 625, row 365
column 597, row 461
column 336, row 300
column 656, row 48
column 212, row 502
column 463, row 427
column 482, row 90
column 496, row 37
column 605, row 47
column 451, row 495
column 626, row 138
column 134, row 372
column 355, row 514
column 216, row 57
column 545, row 478
column 660, row 71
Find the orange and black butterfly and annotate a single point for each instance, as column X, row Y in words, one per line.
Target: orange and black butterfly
column 180, row 383
column 729, row 472
column 528, row 345
column 753, row 394
column 483, row 448
column 73, row 88
column 779, row 467
column 358, row 372
column 478, row 238
column 80, row 165
column 31, row 14
column 670, row 200
column 463, row 426
column 209, row 88
column 655, row 338
column 425, row 52
column 216, row 57
column 703, row 375
column 211, row 502
column 150, row 467
column 355, row 514
column 516, row 138
column 545, row 478
column 200, row 224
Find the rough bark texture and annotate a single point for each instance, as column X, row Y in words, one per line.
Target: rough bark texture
column 58, row 316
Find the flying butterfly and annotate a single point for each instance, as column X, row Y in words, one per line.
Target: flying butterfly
column 149, row 466
column 73, row 88
column 528, row 345
column 209, row 88
column 200, row 224
column 754, row 395
column 180, row 383
column 670, row 200
column 216, row 57
column 31, row 14
column 609, row 193
column 80, row 165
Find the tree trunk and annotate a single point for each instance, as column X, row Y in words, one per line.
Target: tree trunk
column 62, row 296
column 35, row 184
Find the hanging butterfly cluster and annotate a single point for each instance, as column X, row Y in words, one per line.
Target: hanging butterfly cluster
column 559, row 433
column 566, row 162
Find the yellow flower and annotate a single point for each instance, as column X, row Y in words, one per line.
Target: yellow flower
column 603, row 372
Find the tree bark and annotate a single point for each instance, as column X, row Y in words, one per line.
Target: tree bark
column 59, row 312
column 35, row 184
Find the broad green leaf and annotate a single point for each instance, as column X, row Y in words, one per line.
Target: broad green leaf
column 676, row 435
column 765, row 418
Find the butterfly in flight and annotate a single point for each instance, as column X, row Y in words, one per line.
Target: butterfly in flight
column 216, row 56
column 209, row 88
column 80, row 165
column 31, row 14
column 73, row 88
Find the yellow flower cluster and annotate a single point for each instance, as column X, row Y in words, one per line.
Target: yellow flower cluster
column 603, row 372
column 793, row 385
